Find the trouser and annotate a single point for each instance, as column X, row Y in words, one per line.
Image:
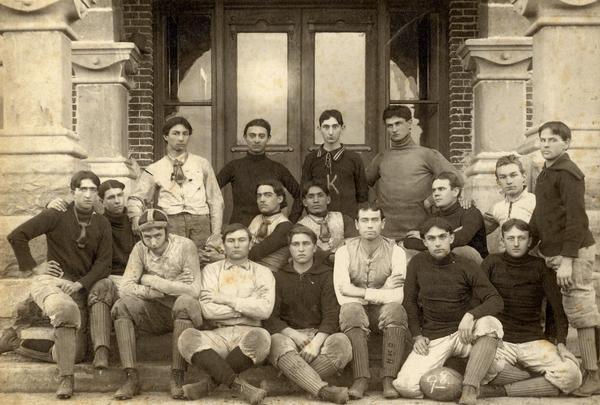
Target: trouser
column 194, row 227
column 416, row 365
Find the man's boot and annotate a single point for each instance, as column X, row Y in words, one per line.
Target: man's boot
column 65, row 387
column 590, row 385
column 589, row 360
column 360, row 362
column 100, row 325
column 131, row 386
column 176, row 384
column 248, row 392
column 337, row 395
column 393, row 351
column 9, row 340
column 200, row 389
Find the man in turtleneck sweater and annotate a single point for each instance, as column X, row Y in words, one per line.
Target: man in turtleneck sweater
column 468, row 225
column 523, row 281
column 404, row 174
column 244, row 173
column 79, row 255
column 439, row 293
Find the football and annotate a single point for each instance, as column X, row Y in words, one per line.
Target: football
column 441, row 384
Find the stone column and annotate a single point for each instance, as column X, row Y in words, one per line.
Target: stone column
column 102, row 65
column 38, row 149
column 566, row 82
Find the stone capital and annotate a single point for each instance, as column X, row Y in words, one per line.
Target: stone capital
column 543, row 13
column 104, row 62
column 41, row 15
column 497, row 58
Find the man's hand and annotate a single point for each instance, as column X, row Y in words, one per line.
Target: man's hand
column 71, row 288
column 299, row 338
column 564, row 273
column 135, row 226
column 395, row 281
column 209, row 255
column 185, row 277
column 421, row 345
column 148, row 280
column 51, row 268
column 216, row 298
column 310, row 351
column 58, row 204
column 553, row 262
column 465, row 329
column 466, row 203
column 564, row 353
column 413, row 234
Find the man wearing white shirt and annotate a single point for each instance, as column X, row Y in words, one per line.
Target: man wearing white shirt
column 369, row 275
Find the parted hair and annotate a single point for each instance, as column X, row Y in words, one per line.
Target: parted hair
column 231, row 228
column 557, row 128
column 82, row 175
column 171, row 122
column 258, row 122
column 299, row 229
column 371, row 206
column 400, row 111
column 277, row 188
column 435, row 222
column 314, row 183
column 325, row 115
column 515, row 223
column 509, row 160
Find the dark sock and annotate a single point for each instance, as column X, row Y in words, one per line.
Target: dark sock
column 215, row 366
column 238, row 360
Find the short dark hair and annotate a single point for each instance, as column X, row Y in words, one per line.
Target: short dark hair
column 325, row 115
column 171, row 122
column 436, row 222
column 515, row 223
column 509, row 160
column 314, row 183
column 107, row 185
column 557, row 128
column 258, row 122
column 231, row 228
column 299, row 229
column 400, row 111
column 371, row 206
column 454, row 180
column 83, row 175
column 277, row 188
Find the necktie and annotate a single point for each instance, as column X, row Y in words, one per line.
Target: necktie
column 263, row 231
column 324, row 232
column 177, row 174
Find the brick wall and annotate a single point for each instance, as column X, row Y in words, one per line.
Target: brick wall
column 138, row 28
column 462, row 26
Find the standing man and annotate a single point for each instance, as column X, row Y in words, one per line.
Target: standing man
column 341, row 170
column 561, row 224
column 440, row 287
column 256, row 166
column 183, row 185
column 306, row 344
column 79, row 254
column 159, row 294
column 404, row 174
column 368, row 276
column 237, row 294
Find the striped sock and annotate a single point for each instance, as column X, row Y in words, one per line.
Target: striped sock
column 393, row 351
column 126, row 340
column 510, row 374
column 179, row 325
column 480, row 360
column 296, row 369
column 64, row 346
column 587, row 345
column 360, row 353
column 533, row 387
column 323, row 366
column 100, row 324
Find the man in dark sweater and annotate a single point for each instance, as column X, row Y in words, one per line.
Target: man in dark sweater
column 561, row 224
column 244, row 173
column 342, row 170
column 523, row 281
column 440, row 287
column 468, row 225
column 306, row 344
column 79, row 255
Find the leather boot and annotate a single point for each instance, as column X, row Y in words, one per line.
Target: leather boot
column 248, row 392
column 131, row 386
column 65, row 387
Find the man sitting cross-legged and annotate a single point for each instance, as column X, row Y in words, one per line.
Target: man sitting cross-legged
column 159, row 294
column 306, row 344
column 368, row 276
column 236, row 295
column 439, row 289
column 523, row 281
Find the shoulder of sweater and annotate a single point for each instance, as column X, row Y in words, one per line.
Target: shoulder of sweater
column 565, row 165
column 259, row 268
column 180, row 240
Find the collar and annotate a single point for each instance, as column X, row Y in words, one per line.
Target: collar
column 336, row 154
column 317, row 268
column 270, row 217
column 244, row 265
column 318, row 219
column 565, row 163
column 406, row 141
column 519, row 197
column 256, row 158
column 451, row 209
column 518, row 261
column 442, row 262
column 182, row 159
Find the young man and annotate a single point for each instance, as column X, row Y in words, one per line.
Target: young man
column 159, row 294
column 181, row 184
column 79, row 255
column 518, row 202
column 243, row 174
column 368, row 276
column 523, row 281
column 340, row 169
column 469, row 237
column 404, row 174
column 331, row 227
column 306, row 344
column 236, row 295
column 440, row 287
column 561, row 224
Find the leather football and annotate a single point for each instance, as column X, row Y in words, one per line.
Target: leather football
column 441, row 384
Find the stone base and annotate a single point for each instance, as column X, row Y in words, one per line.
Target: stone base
column 113, row 168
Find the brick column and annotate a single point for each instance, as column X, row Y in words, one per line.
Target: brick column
column 38, row 151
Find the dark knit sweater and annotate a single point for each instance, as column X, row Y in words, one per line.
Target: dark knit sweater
column 437, row 294
column 85, row 265
column 472, row 232
column 123, row 240
column 244, row 173
column 275, row 241
column 304, row 301
column 559, row 219
column 523, row 283
column 347, row 180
